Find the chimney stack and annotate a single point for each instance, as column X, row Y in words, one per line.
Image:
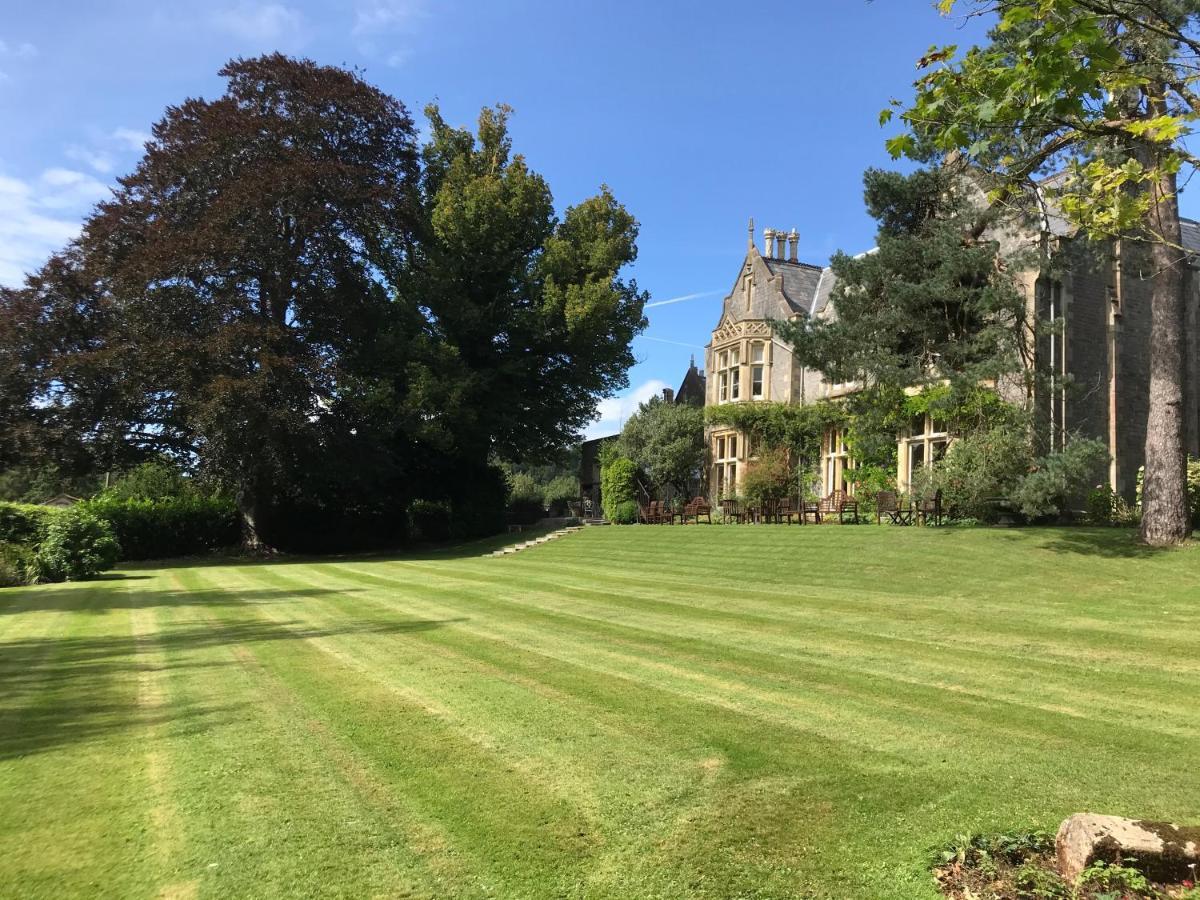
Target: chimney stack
column 780, row 237
column 793, row 244
column 668, row 395
column 768, row 242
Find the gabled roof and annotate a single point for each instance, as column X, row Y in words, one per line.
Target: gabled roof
column 780, row 289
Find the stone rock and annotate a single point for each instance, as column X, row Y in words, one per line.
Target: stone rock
column 1161, row 850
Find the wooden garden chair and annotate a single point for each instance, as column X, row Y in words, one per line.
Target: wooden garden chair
column 838, row 504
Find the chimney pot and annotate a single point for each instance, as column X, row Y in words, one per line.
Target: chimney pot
column 793, row 244
column 668, row 395
column 768, row 242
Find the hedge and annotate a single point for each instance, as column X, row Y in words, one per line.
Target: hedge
column 173, row 526
column 25, row 523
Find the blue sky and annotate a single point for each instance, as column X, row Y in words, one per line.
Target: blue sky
column 697, row 114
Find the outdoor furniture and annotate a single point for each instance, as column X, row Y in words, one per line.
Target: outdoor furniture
column 695, row 509
column 887, row 503
column 646, row 514
column 810, row 508
column 931, row 507
column 838, row 504
column 784, row 510
column 731, row 510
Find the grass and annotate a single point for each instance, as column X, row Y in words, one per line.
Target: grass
column 626, row 712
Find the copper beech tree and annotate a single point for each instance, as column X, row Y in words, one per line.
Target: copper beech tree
column 1103, row 92
column 290, row 297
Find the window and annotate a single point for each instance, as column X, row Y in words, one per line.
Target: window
column 926, row 444
column 725, row 455
column 757, row 368
column 836, row 462
column 729, row 375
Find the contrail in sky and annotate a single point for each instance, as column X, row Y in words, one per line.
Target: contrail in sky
column 646, row 337
column 681, row 299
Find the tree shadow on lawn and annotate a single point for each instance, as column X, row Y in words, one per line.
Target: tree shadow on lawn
column 1109, row 543
column 419, row 553
column 60, row 691
column 62, row 598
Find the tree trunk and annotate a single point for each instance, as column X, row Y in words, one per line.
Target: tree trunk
column 248, row 506
column 1165, row 518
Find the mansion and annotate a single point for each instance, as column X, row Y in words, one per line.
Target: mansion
column 1098, row 361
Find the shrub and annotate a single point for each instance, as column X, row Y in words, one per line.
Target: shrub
column 560, row 491
column 16, row 565
column 1106, row 507
column 623, row 513
column 769, row 477
column 430, row 520
column 618, row 485
column 1060, row 477
column 977, row 469
column 153, row 480
column 23, row 523
column 174, row 526
column 78, row 545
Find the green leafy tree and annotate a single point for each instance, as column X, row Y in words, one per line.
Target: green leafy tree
column 666, row 441
column 292, row 300
column 227, row 306
column 533, row 315
column 923, row 307
column 1103, row 91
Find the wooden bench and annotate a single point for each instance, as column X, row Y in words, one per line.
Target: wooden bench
column 837, row 504
column 696, row 508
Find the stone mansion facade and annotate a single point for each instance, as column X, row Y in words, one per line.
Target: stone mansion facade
column 1099, row 360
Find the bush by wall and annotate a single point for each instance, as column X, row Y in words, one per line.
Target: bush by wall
column 618, row 485
column 624, row 513
column 78, row 545
column 172, row 526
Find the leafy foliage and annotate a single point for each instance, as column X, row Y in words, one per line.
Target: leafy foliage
column 23, row 523
column 169, row 527
column 618, row 486
column 1102, row 91
column 769, row 477
column 78, row 545
column 293, row 301
column 798, row 429
column 1060, row 477
column 151, row 480
column 430, row 520
column 666, row 441
column 16, row 565
column 924, row 306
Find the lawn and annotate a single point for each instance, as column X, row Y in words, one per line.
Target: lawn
column 626, row 712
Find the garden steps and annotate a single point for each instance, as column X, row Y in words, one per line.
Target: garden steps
column 535, row 542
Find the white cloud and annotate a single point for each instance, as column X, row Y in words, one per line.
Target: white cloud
column 26, row 50
column 386, row 16
column 262, row 22
column 613, row 411
column 94, row 158
column 379, row 23
column 41, row 216
column 131, row 138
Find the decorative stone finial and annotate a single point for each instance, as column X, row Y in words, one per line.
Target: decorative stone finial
column 750, row 245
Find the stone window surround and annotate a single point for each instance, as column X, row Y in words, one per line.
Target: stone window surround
column 933, row 439
column 726, row 379
column 728, row 451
